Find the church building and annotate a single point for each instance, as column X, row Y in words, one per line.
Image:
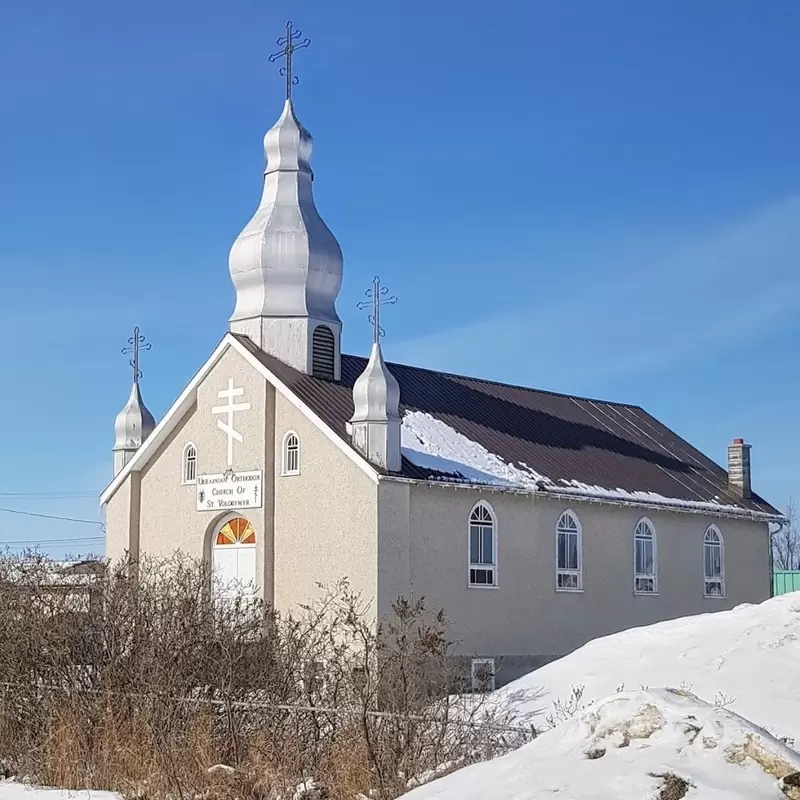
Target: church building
column 536, row 520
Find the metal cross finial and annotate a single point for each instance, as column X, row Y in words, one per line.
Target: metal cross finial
column 136, row 343
column 378, row 296
column 289, row 43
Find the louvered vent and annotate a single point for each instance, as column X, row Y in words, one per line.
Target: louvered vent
column 323, row 353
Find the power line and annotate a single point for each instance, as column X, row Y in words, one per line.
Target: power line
column 73, row 541
column 51, row 516
column 48, row 495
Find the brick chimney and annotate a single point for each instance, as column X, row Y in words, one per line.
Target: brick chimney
column 739, row 468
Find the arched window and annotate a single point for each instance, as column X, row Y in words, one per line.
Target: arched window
column 323, row 353
column 482, row 546
column 713, row 563
column 569, row 558
column 189, row 465
column 291, row 454
column 235, row 558
column 645, row 565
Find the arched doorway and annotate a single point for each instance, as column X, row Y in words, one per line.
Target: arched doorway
column 234, row 558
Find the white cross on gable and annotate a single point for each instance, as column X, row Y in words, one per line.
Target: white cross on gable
column 226, row 426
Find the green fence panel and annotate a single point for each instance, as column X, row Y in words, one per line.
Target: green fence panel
column 785, row 581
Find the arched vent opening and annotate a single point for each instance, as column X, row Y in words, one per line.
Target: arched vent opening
column 323, row 353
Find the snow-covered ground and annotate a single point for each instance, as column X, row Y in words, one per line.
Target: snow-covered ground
column 747, row 659
column 688, row 699
column 634, row 746
column 11, row 790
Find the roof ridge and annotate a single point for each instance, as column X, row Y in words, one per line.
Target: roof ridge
column 549, row 392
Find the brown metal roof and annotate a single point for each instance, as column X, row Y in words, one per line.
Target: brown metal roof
column 612, row 445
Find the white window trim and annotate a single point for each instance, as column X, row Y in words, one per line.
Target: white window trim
column 493, row 566
column 184, row 462
column 721, row 578
column 579, row 571
column 285, row 472
column 477, row 663
column 640, row 592
column 234, row 594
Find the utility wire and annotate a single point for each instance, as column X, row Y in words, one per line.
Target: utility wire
column 51, row 516
column 52, row 543
column 47, row 495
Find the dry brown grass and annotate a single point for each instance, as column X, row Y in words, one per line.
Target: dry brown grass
column 139, row 683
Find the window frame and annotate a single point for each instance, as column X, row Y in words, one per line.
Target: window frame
column 486, row 566
column 185, row 479
column 229, row 592
column 285, row 471
column 479, row 662
column 644, row 576
column 564, row 571
column 720, row 543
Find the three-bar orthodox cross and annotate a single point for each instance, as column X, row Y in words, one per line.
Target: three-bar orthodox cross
column 136, row 343
column 289, row 44
column 378, row 296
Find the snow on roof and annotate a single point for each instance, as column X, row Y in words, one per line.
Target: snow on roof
column 431, row 444
column 629, row 746
column 746, row 658
column 448, row 455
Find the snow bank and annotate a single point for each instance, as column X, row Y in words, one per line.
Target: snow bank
column 11, row 790
column 630, row 746
column 747, row 659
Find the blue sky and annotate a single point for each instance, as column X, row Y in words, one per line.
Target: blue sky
column 600, row 198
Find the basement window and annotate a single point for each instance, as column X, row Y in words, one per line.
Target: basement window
column 482, row 674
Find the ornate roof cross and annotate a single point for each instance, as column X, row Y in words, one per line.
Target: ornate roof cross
column 289, row 43
column 136, row 343
column 378, row 296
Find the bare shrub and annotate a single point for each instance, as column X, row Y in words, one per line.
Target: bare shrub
column 564, row 710
column 136, row 680
column 673, row 787
column 786, row 541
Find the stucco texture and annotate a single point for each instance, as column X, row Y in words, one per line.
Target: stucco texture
column 169, row 519
column 117, row 514
column 525, row 615
column 325, row 518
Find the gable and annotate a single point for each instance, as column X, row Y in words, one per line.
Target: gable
column 165, row 430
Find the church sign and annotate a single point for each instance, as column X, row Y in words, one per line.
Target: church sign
column 229, row 491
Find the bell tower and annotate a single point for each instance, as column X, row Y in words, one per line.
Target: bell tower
column 286, row 265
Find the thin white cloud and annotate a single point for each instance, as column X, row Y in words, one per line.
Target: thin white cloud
column 706, row 297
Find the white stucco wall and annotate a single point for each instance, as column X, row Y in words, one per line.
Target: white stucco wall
column 316, row 527
column 325, row 517
column 394, row 544
column 525, row 614
column 117, row 513
column 169, row 518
